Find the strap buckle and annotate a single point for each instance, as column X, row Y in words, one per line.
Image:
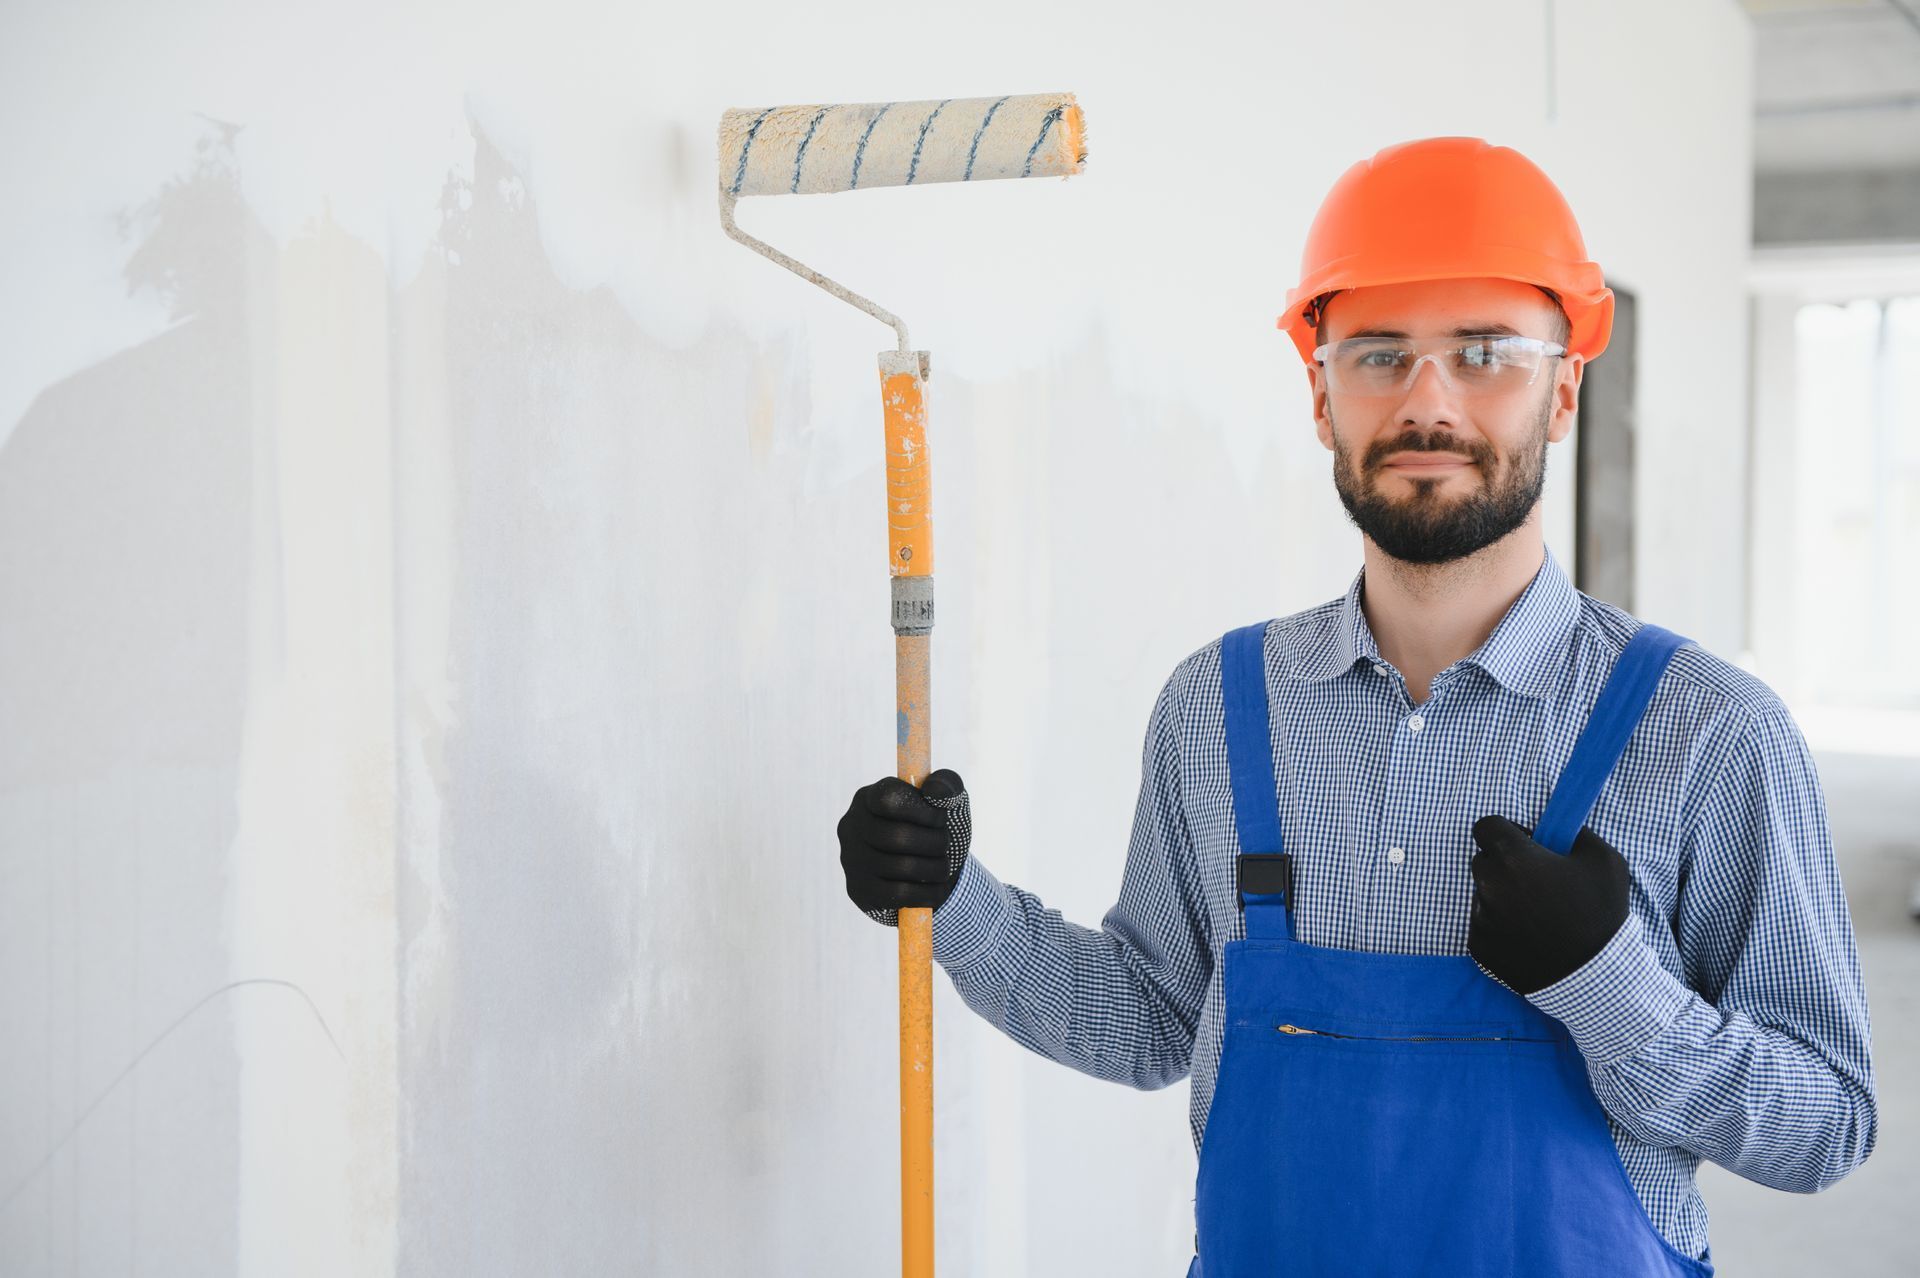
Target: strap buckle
column 1263, row 874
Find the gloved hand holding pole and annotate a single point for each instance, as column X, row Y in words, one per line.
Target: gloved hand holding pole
column 904, row 848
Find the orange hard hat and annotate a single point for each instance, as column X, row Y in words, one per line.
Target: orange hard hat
column 1448, row 209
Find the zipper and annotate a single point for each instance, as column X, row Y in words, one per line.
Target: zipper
column 1412, row 1038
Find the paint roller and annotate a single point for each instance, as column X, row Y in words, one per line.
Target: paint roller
column 814, row 150
column 818, row 149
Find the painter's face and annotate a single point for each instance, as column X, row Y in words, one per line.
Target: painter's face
column 1429, row 473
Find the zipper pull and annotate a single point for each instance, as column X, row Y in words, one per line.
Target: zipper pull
column 1294, row 1029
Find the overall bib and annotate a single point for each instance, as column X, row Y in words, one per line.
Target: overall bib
column 1406, row 1114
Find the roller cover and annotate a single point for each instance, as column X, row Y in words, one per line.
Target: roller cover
column 808, row 150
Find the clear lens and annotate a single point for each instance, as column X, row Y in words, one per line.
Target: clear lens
column 1491, row 365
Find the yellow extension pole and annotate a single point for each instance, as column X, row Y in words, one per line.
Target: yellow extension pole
column 910, row 566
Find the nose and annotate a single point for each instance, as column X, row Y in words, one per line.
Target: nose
column 1428, row 400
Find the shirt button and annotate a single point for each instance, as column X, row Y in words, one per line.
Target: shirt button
column 1379, row 669
column 1415, row 722
column 1396, row 855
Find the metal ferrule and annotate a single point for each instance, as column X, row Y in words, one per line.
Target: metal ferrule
column 912, row 605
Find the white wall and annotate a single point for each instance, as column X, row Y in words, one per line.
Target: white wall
column 440, row 572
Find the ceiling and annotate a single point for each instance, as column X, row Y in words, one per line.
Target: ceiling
column 1836, row 84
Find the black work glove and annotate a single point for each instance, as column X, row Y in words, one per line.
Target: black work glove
column 1539, row 916
column 903, row 847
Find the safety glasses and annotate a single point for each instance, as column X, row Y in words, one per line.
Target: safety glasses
column 1493, row 364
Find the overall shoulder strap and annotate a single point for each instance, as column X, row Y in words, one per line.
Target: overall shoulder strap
column 1263, row 874
column 1623, row 700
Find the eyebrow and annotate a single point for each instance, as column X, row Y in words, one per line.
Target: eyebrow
column 1485, row 328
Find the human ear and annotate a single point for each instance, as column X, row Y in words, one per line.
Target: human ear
column 1322, row 421
column 1566, row 396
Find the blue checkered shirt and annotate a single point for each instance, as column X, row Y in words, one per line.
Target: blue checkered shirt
column 1724, row 1020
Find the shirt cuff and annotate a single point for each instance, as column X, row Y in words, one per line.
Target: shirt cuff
column 1618, row 1001
column 971, row 923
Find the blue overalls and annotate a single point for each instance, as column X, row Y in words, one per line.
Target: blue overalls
column 1406, row 1114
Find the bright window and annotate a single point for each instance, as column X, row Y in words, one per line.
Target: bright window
column 1858, row 418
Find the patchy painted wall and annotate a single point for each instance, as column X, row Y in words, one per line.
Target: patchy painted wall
column 440, row 616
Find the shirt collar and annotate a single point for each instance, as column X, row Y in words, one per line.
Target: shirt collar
column 1526, row 651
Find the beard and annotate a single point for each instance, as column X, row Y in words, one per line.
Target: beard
column 1427, row 527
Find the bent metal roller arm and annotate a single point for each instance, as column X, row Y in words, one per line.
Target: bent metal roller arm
column 815, row 149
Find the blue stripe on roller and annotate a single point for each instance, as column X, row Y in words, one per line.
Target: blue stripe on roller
column 861, row 151
column 974, row 149
column 1622, row 701
column 1035, row 148
column 740, row 172
column 914, row 167
column 800, row 156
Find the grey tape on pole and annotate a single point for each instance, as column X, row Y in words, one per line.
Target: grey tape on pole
column 913, row 605
column 816, row 148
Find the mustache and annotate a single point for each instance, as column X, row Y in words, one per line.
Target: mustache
column 1478, row 453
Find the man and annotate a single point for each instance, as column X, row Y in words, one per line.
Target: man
column 1479, row 910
